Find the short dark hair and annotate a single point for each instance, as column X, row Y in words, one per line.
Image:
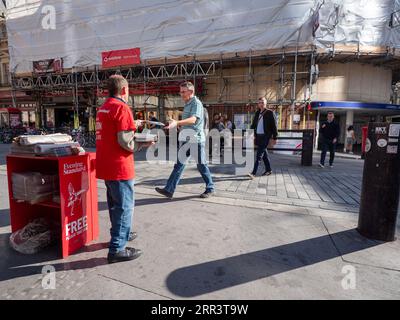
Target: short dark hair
column 115, row 84
column 331, row 112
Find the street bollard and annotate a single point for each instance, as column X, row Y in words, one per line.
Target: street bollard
column 308, row 144
column 381, row 180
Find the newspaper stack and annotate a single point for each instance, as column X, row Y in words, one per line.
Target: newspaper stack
column 57, row 145
column 34, row 187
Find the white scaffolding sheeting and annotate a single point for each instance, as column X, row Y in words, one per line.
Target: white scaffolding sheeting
column 167, row 28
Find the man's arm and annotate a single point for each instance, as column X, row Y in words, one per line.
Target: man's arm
column 274, row 129
column 186, row 122
column 337, row 135
column 253, row 123
column 321, row 128
column 126, row 140
column 189, row 121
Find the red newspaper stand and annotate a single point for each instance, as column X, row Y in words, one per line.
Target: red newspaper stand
column 76, row 214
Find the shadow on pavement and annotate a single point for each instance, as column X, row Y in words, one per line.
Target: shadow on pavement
column 16, row 265
column 204, row 278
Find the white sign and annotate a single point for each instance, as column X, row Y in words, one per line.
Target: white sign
column 391, row 140
column 75, row 228
column 380, row 130
column 391, row 149
column 296, row 118
column 76, row 167
column 382, row 143
column 367, row 145
column 394, row 130
column 289, row 144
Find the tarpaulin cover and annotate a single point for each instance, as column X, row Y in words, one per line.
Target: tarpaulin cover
column 78, row 31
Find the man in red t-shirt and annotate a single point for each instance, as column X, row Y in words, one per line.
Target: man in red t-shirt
column 115, row 129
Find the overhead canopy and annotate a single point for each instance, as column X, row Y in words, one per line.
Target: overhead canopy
column 10, row 110
column 78, row 31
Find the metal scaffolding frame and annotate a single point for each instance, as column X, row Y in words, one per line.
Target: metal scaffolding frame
column 146, row 76
column 140, row 74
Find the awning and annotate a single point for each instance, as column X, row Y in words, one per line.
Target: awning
column 353, row 105
column 10, row 110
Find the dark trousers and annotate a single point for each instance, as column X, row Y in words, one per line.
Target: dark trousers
column 327, row 145
column 262, row 153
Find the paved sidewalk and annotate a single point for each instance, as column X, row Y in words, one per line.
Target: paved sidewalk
column 338, row 188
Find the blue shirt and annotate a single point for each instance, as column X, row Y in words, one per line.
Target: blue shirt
column 194, row 107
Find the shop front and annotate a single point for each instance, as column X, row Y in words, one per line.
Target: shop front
column 357, row 114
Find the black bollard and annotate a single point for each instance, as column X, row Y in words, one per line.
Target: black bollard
column 381, row 180
column 308, row 145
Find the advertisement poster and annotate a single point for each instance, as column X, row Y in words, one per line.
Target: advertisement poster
column 120, row 57
column 15, row 120
column 242, row 120
column 48, row 65
column 74, row 199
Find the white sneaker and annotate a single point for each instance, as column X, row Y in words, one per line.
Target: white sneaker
column 331, row 166
column 251, row 176
column 321, row 165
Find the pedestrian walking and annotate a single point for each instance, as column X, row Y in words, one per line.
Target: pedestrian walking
column 265, row 128
column 329, row 135
column 193, row 122
column 350, row 140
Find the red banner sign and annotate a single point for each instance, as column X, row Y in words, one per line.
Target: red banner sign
column 120, row 57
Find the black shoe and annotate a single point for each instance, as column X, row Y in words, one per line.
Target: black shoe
column 164, row 192
column 207, row 194
column 132, row 236
column 267, row 173
column 124, row 255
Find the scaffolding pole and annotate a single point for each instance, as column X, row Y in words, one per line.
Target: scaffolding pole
column 293, row 91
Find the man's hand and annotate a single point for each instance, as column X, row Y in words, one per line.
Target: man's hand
column 172, row 124
column 142, row 145
column 147, row 144
column 273, row 141
column 334, row 140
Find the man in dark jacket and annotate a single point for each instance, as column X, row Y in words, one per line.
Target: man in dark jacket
column 264, row 125
column 329, row 135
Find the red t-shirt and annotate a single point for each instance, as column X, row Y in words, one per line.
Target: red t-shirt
column 112, row 161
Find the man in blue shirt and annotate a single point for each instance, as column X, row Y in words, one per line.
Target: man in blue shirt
column 192, row 124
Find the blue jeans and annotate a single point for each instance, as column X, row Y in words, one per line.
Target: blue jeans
column 262, row 153
column 176, row 174
column 121, row 201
